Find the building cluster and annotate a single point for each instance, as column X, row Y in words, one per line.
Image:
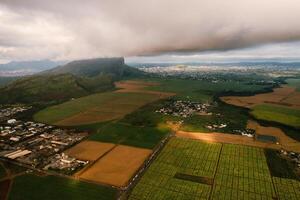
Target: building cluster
column 216, row 126
column 11, row 111
column 183, row 109
column 14, row 131
column 246, row 132
column 292, row 156
column 37, row 144
column 65, row 163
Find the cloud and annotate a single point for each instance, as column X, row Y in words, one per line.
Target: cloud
column 73, row 29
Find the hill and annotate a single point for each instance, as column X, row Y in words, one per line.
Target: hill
column 53, row 88
column 93, row 67
column 75, row 79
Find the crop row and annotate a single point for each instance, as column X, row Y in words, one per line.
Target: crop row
column 288, row 189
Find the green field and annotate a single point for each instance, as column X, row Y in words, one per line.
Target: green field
column 293, row 82
column 236, row 171
column 184, row 156
column 203, row 91
column 282, row 115
column 50, row 187
column 144, row 137
column 102, row 104
column 287, row 189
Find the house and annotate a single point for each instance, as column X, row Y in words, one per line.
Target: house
column 11, row 121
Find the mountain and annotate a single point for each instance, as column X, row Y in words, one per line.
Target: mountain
column 22, row 68
column 93, row 67
column 75, row 79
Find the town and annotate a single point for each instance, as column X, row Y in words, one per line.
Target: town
column 36, row 144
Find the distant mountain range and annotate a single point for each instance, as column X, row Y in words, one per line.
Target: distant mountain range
column 75, row 79
column 23, row 68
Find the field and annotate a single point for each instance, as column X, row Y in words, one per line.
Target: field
column 144, row 137
column 203, row 91
column 285, row 96
column 94, row 108
column 282, row 115
column 218, row 171
column 89, row 150
column 117, row 167
column 51, row 187
column 293, row 82
column 287, row 189
column 285, row 141
column 102, row 107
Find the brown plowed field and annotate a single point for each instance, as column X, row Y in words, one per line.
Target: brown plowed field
column 117, row 167
column 285, row 141
column 89, row 150
column 284, row 96
column 139, row 86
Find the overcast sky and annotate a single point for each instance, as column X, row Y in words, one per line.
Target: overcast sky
column 74, row 29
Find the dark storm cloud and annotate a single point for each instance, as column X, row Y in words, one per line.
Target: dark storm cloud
column 74, row 29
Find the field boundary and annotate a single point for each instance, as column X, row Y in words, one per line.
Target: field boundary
column 217, row 166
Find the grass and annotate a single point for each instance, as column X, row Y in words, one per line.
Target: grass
column 144, row 137
column 282, row 115
column 101, row 104
column 146, row 115
column 51, row 187
column 294, row 82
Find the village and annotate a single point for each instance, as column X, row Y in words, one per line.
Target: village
column 179, row 108
column 36, row 144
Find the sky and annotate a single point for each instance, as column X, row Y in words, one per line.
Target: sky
column 149, row 30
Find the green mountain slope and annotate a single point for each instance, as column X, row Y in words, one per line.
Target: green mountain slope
column 75, row 79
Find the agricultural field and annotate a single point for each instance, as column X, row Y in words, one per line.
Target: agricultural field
column 179, row 156
column 284, row 96
column 118, row 133
column 189, row 169
column 282, row 115
column 203, row 91
column 294, row 82
column 51, row 187
column 117, row 167
column 94, row 108
column 285, row 140
column 287, row 189
column 89, row 150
